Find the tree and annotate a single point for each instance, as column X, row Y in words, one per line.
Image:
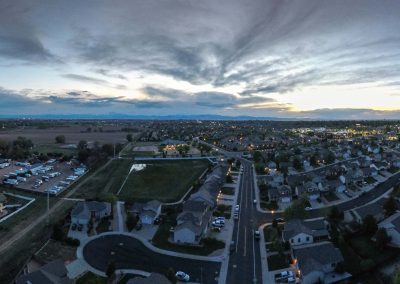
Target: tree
column 57, row 233
column 60, row 139
column 390, row 206
column 335, row 215
column 296, row 210
column 257, row 156
column 297, row 164
column 131, row 222
column 369, row 225
column 110, row 269
column 129, row 137
column 382, row 238
column 171, row 275
column 396, row 279
column 82, row 145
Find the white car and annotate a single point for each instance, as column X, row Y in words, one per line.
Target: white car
column 237, row 208
column 182, row 276
column 308, row 208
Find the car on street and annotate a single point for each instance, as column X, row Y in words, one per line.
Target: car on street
column 182, row 276
column 255, row 201
column 257, row 234
column 237, row 207
column 232, row 246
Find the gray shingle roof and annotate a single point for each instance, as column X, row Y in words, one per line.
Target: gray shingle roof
column 315, row 228
column 314, row 257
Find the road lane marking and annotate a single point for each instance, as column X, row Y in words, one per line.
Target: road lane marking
column 245, row 241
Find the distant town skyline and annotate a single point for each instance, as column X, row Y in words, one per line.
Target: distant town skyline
column 284, row 59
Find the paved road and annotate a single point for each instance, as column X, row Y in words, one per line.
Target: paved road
column 245, row 261
column 130, row 253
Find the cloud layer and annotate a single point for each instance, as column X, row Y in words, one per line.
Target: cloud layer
column 279, row 57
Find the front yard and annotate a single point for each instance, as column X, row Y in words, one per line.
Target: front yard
column 278, row 261
column 207, row 247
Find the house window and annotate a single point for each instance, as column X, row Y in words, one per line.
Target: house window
column 308, row 239
column 291, row 240
column 298, row 240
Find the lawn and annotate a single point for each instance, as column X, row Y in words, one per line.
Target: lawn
column 160, row 240
column 277, row 261
column 103, row 226
column 370, row 180
column 166, row 181
column 56, row 250
column 330, row 196
column 91, row 278
column 108, row 179
column 228, row 190
column 271, row 234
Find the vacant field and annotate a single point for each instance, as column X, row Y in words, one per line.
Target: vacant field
column 56, row 250
column 166, row 181
column 54, row 148
column 73, row 135
column 109, row 179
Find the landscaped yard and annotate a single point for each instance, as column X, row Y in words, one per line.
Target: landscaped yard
column 277, row 261
column 161, row 240
column 361, row 255
column 370, row 180
column 55, row 250
column 330, row 196
column 103, row 226
column 91, row 278
column 166, row 181
column 271, row 234
column 228, row 190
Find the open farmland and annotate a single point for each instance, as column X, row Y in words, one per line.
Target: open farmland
column 166, row 181
column 73, row 134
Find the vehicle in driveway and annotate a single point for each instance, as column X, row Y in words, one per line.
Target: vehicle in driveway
column 217, row 224
column 237, row 207
column 182, row 276
column 308, row 208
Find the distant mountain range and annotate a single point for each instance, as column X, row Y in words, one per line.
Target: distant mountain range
column 144, row 117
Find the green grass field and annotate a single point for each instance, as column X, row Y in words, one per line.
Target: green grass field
column 166, row 181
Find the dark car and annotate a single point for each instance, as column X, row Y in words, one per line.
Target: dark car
column 80, row 227
column 279, row 220
column 73, row 227
column 232, row 246
column 257, row 235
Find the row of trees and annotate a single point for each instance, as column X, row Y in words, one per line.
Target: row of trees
column 17, row 149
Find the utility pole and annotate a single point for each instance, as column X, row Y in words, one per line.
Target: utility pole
column 114, row 149
column 48, row 208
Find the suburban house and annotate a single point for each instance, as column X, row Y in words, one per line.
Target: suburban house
column 299, row 232
column 193, row 221
column 147, row 212
column 317, row 263
column 52, row 273
column 308, row 188
column 392, row 227
column 375, row 209
column 85, row 210
column 281, row 193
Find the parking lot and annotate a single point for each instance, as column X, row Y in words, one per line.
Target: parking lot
column 51, row 176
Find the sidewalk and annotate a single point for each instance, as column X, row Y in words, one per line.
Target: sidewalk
column 225, row 262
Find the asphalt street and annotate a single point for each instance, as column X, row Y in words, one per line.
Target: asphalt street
column 245, row 261
column 130, row 253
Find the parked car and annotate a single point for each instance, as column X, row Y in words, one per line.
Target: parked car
column 279, row 220
column 80, row 227
column 235, row 216
column 217, row 224
column 308, row 208
column 257, row 234
column 255, row 201
column 182, row 276
column 73, row 227
column 237, row 207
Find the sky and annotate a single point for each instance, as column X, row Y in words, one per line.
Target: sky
column 277, row 58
